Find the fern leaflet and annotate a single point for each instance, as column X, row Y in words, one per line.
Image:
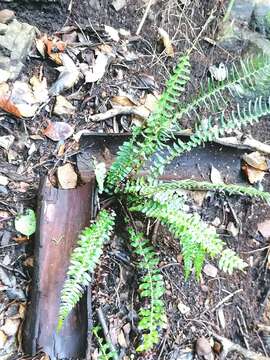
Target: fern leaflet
column 83, row 261
column 152, row 316
column 105, row 349
column 196, row 238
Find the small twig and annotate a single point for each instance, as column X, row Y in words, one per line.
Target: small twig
column 144, row 17
column 226, row 299
column 120, row 110
column 105, row 329
column 229, row 346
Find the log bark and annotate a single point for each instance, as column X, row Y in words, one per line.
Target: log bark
column 61, row 215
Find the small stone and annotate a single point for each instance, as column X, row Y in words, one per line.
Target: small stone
column 216, row 222
column 232, row 229
column 11, row 327
column 6, row 141
column 203, row 347
column 184, row 309
column 210, row 270
column 6, row 16
column 3, row 180
column 3, row 339
column 264, row 228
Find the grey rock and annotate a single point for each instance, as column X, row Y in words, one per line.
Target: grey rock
column 16, row 294
column 242, row 11
column 3, row 190
column 15, row 45
column 261, row 17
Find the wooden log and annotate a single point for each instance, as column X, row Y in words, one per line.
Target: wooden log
column 61, row 215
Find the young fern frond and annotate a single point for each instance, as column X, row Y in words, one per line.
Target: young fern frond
column 83, row 261
column 211, row 129
column 153, row 315
column 168, row 189
column 105, row 349
column 248, row 75
column 196, row 238
column 147, row 140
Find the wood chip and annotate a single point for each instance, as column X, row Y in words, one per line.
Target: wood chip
column 264, row 228
column 67, row 177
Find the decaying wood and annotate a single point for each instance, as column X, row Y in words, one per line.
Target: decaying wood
column 61, row 215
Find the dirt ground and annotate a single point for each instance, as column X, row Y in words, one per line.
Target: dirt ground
column 194, row 308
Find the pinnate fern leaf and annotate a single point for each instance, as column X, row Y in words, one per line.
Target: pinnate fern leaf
column 83, row 261
column 105, row 352
column 168, row 190
column 196, row 238
column 152, row 316
column 158, row 129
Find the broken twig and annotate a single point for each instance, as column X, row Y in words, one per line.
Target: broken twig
column 229, row 346
column 144, row 17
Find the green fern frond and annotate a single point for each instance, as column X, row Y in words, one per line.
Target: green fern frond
column 196, row 238
column 105, row 349
column 167, row 190
column 83, row 261
column 229, row 261
column 155, row 133
column 153, row 315
column 246, row 76
column 211, row 129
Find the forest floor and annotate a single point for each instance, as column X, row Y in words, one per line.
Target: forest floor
column 233, row 306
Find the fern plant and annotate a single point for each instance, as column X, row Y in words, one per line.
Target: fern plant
column 153, row 315
column 105, row 352
column 248, row 81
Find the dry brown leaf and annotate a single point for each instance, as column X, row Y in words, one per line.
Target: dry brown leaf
column 57, row 131
column 122, row 100
column 67, row 177
column 63, row 107
column 56, row 58
column 166, row 41
column 122, row 340
column 256, row 160
column 41, row 47
column 40, row 89
column 21, row 239
column 7, row 105
column 150, row 102
column 253, row 175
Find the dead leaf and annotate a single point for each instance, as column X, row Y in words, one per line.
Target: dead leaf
column 122, row 100
column 184, row 309
column 215, row 176
column 219, row 73
column 69, row 76
column 41, row 47
column 3, row 180
column 256, row 160
column 253, row 175
column 11, row 326
column 112, row 32
column 63, row 107
column 40, row 89
column 210, row 270
column 6, row 141
column 232, row 229
column 98, row 69
column 166, row 42
column 221, row 318
column 56, row 57
column 21, row 239
column 121, row 339
column 7, row 105
column 150, row 102
column 58, row 130
column 29, row 262
column 264, row 228
column 67, row 177
column 119, row 4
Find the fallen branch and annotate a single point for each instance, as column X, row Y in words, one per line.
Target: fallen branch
column 106, row 334
column 229, row 346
